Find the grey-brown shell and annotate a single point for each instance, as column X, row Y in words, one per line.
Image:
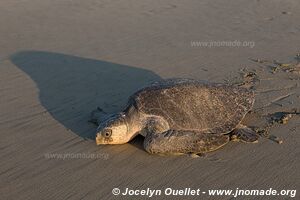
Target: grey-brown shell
column 195, row 105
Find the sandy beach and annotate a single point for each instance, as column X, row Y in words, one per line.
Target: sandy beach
column 60, row 59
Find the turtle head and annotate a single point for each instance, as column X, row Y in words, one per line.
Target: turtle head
column 113, row 130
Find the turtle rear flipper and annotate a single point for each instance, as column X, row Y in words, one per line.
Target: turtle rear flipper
column 183, row 142
column 244, row 134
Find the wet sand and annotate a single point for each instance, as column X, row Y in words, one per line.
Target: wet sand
column 59, row 60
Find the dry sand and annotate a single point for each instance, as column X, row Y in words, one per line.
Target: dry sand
column 60, row 59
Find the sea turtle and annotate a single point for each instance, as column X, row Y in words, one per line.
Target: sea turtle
column 180, row 116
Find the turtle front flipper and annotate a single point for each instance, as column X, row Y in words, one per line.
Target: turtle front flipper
column 244, row 134
column 98, row 115
column 183, row 142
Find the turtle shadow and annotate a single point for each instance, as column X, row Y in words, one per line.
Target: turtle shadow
column 70, row 87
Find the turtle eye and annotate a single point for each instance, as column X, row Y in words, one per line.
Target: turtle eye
column 107, row 133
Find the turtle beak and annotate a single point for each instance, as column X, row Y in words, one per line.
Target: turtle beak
column 99, row 139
